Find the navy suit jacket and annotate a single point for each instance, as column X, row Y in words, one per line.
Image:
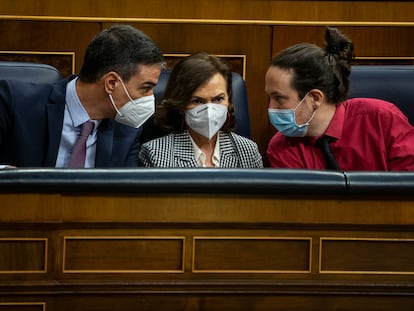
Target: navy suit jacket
column 31, row 121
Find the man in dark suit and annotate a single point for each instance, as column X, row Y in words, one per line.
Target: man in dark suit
column 40, row 123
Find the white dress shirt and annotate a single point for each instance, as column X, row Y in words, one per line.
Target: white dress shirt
column 201, row 156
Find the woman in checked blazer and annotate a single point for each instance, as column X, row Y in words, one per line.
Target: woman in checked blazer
column 197, row 115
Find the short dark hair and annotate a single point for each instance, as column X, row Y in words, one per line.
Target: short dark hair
column 326, row 69
column 186, row 77
column 120, row 48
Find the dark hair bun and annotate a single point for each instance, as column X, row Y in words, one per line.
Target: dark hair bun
column 337, row 44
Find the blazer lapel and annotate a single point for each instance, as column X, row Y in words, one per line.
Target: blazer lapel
column 104, row 144
column 228, row 154
column 183, row 150
column 55, row 111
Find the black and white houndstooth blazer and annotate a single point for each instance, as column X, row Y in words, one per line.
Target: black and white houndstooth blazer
column 176, row 150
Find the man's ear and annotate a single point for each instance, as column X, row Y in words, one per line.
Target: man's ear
column 110, row 80
column 317, row 97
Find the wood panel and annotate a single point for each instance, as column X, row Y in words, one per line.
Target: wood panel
column 368, row 40
column 191, row 208
column 361, row 256
column 123, row 254
column 265, row 10
column 260, row 255
column 202, row 252
column 22, row 306
column 18, row 251
column 38, row 36
column 222, row 302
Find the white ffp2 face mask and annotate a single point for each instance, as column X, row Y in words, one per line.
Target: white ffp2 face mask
column 135, row 112
column 206, row 119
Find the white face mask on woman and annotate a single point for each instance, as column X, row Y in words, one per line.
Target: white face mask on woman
column 206, row 119
column 135, row 112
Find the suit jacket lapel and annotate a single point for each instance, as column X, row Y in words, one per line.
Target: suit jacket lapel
column 104, row 144
column 183, row 150
column 228, row 155
column 55, row 110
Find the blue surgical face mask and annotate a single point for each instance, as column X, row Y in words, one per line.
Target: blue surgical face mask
column 284, row 121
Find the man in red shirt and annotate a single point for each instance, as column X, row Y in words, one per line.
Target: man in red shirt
column 307, row 86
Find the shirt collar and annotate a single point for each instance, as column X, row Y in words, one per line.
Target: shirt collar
column 337, row 123
column 335, row 127
column 76, row 111
column 201, row 157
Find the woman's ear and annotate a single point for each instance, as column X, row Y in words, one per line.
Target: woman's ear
column 317, row 97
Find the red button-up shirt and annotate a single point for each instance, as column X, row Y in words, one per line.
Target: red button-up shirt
column 368, row 134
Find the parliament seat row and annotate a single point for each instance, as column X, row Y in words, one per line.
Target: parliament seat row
column 388, row 82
